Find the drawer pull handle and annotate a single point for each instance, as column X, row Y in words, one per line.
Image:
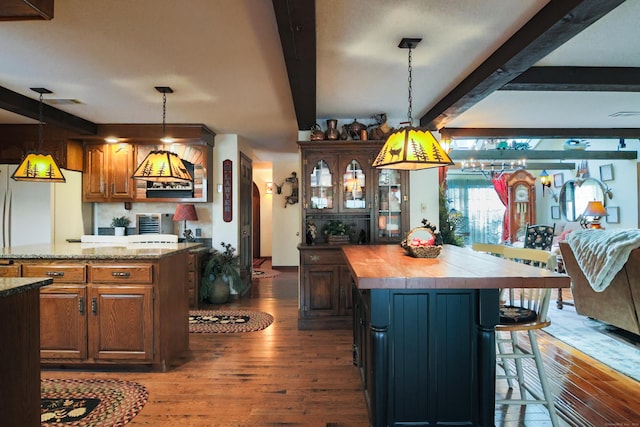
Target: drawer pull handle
column 55, row 273
column 81, row 305
column 94, row 306
column 120, row 274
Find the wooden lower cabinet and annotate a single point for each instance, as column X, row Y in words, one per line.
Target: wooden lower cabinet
column 121, row 323
column 325, row 289
column 108, row 313
column 63, row 328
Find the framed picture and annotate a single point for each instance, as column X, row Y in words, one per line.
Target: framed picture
column 606, row 172
column 558, row 180
column 613, row 214
column 555, row 212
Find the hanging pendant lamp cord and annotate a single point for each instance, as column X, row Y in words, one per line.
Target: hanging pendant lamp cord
column 40, row 126
column 409, row 113
column 164, row 114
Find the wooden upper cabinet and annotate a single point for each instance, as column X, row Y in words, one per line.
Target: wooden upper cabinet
column 109, row 168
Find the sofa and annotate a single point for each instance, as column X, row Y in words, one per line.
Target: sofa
column 618, row 304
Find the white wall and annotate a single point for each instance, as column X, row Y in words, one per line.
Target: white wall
column 624, row 185
column 423, row 197
column 286, row 222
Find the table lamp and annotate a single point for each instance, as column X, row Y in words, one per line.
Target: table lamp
column 186, row 212
column 596, row 210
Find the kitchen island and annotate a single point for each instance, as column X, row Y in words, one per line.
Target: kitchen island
column 108, row 305
column 424, row 331
column 19, row 358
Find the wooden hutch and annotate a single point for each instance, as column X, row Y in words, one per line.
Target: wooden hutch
column 339, row 184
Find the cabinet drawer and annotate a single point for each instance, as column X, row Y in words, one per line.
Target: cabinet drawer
column 12, row 270
column 142, row 273
column 60, row 273
column 324, row 257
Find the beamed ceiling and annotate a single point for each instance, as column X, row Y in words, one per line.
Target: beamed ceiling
column 265, row 69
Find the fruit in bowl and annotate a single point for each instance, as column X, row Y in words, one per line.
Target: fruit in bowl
column 417, row 241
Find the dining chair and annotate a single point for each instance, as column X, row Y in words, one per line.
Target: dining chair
column 490, row 248
column 539, row 236
column 524, row 311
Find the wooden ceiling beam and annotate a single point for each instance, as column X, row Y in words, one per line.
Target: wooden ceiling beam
column 595, row 133
column 584, row 79
column 25, row 10
column 550, row 28
column 297, row 28
column 25, row 106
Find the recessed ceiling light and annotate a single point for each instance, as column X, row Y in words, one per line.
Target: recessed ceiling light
column 625, row 114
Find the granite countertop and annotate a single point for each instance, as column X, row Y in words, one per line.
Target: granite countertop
column 96, row 251
column 16, row 285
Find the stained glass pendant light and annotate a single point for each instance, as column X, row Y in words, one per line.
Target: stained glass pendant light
column 411, row 148
column 36, row 165
column 163, row 165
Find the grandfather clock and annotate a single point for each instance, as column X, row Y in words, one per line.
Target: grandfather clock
column 522, row 203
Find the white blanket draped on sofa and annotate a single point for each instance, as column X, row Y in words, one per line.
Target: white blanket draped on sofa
column 602, row 253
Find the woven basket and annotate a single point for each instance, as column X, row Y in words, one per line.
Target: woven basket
column 337, row 239
column 421, row 251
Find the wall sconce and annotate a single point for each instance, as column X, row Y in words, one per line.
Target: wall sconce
column 594, row 210
column 545, row 180
column 268, row 187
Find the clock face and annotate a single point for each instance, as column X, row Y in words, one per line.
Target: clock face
column 522, row 193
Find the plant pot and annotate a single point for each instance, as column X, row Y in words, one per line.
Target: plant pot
column 119, row 231
column 220, row 292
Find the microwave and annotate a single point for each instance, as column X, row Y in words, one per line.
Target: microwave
column 154, row 223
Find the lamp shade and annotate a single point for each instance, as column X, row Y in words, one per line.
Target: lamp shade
column 411, row 148
column 39, row 168
column 595, row 209
column 162, row 166
column 185, row 212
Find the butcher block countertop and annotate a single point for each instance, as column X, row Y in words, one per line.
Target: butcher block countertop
column 389, row 267
column 96, row 251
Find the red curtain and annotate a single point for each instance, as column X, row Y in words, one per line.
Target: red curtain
column 500, row 185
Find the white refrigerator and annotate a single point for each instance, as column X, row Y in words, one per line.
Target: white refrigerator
column 42, row 213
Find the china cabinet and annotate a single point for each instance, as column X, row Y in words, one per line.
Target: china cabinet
column 521, row 186
column 339, row 184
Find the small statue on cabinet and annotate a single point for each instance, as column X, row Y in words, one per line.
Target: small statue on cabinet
column 312, row 232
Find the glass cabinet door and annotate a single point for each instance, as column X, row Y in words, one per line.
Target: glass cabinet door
column 321, row 186
column 389, row 210
column 353, row 183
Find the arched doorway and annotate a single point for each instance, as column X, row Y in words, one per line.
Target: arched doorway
column 256, row 221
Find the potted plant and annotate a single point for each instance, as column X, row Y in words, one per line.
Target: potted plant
column 120, row 223
column 220, row 275
column 337, row 232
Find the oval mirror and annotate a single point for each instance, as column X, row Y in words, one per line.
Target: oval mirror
column 575, row 195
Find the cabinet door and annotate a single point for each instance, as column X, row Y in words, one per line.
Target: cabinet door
column 346, row 295
column 121, row 168
column 391, row 209
column 321, row 291
column 94, row 177
column 355, row 178
column 320, row 180
column 121, row 323
column 10, row 270
column 63, row 322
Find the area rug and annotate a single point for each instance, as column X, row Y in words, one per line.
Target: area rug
column 595, row 339
column 92, row 402
column 227, row 322
column 261, row 273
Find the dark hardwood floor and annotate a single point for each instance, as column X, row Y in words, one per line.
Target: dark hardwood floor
column 282, row 376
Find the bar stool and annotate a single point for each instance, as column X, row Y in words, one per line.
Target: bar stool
column 524, row 310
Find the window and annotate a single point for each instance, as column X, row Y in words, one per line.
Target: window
column 478, row 208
